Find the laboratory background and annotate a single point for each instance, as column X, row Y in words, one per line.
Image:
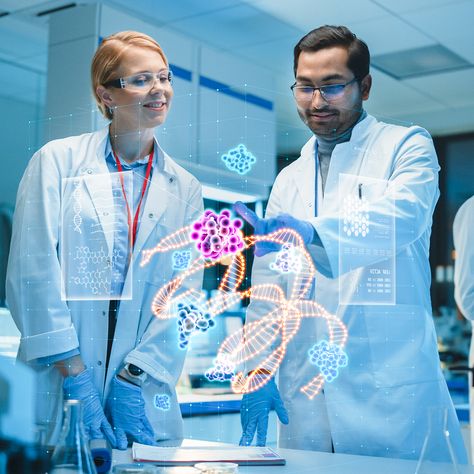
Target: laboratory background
column 232, row 66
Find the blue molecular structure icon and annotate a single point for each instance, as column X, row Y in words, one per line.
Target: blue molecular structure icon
column 190, row 319
column 287, row 260
column 181, row 259
column 239, row 159
column 220, row 372
column 328, row 358
column 161, row 401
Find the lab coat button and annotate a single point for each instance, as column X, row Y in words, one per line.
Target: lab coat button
column 89, row 171
column 99, row 362
column 151, row 215
column 171, row 180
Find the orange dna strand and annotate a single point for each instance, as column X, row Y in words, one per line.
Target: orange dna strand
column 279, row 325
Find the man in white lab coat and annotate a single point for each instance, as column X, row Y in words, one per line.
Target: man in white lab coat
column 378, row 405
column 463, row 236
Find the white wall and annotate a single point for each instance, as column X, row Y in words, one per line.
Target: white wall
column 19, row 138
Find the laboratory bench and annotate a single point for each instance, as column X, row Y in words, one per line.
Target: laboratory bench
column 202, row 402
column 313, row 462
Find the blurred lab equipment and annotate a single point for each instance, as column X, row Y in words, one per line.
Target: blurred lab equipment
column 72, row 453
column 437, row 440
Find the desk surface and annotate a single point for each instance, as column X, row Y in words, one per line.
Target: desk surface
column 313, row 462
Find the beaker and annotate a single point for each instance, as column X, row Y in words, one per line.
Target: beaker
column 72, row 454
column 437, row 447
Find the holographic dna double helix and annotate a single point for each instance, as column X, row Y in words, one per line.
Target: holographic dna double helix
column 256, row 338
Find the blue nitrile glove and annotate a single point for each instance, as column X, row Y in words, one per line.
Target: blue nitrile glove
column 272, row 224
column 81, row 388
column 126, row 407
column 254, row 411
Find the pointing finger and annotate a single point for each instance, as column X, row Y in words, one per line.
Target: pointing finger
column 246, row 213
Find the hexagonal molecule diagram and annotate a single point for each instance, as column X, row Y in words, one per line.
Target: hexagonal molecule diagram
column 328, row 358
column 161, row 401
column 221, row 371
column 287, row 260
column 356, row 216
column 181, row 259
column 239, row 159
column 191, row 319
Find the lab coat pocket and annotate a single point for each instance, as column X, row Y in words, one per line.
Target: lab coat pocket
column 402, row 344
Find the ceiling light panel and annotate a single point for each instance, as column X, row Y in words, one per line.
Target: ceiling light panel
column 451, row 25
column 419, row 62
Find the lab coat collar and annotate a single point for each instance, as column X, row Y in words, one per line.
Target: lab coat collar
column 359, row 134
column 161, row 185
column 305, row 166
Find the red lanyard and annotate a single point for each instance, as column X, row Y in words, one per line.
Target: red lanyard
column 145, row 184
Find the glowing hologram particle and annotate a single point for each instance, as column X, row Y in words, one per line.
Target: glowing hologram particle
column 191, row 318
column 221, row 371
column 287, row 260
column 217, row 234
column 328, row 358
column 271, row 333
column 161, row 401
column 356, row 216
column 181, row 259
column 239, row 159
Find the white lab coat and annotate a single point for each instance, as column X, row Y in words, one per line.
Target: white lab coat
column 463, row 236
column 51, row 326
column 377, row 405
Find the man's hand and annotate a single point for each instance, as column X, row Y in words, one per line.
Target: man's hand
column 267, row 226
column 254, row 411
column 81, row 388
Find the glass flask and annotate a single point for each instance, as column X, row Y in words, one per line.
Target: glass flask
column 437, row 447
column 72, row 454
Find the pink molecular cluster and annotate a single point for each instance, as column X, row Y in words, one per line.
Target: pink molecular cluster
column 217, row 234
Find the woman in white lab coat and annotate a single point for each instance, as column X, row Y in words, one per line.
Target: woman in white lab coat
column 86, row 207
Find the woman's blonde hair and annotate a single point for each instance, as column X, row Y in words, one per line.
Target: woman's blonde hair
column 107, row 59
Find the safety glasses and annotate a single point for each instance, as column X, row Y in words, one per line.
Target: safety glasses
column 329, row 93
column 142, row 81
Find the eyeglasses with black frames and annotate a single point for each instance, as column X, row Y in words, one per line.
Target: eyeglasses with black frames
column 330, row 93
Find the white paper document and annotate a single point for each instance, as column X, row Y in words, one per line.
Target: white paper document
column 183, row 456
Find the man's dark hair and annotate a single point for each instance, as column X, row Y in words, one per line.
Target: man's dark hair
column 328, row 36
